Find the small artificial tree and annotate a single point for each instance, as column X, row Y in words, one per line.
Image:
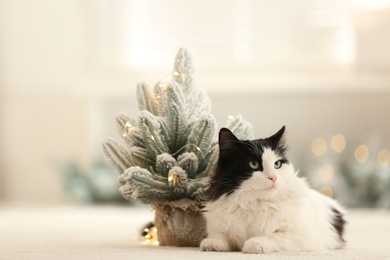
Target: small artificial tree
column 171, row 150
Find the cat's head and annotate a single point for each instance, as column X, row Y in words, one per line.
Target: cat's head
column 258, row 167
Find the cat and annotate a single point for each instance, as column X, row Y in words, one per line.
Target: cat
column 258, row 204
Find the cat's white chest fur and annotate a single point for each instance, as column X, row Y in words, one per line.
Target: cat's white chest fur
column 241, row 216
column 298, row 223
column 241, row 223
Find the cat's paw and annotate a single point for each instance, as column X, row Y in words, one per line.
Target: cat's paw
column 258, row 245
column 214, row 244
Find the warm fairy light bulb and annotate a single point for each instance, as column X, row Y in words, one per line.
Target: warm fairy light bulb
column 127, row 129
column 150, row 236
column 230, row 117
column 197, row 148
column 163, row 85
column 173, row 179
column 179, row 76
column 151, row 136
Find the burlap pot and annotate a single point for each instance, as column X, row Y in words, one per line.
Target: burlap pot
column 179, row 223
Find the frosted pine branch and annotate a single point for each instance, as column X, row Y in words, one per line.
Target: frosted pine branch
column 212, row 158
column 164, row 163
column 150, row 128
column 189, row 162
column 177, row 179
column 196, row 188
column 141, row 157
column 202, row 132
column 176, row 116
column 118, row 156
column 199, row 103
column 183, row 70
column 145, row 99
column 128, row 129
column 158, row 92
column 140, row 184
column 241, row 128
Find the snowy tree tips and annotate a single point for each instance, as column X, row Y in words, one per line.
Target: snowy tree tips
column 144, row 98
column 183, row 69
column 117, row 155
column 241, row 128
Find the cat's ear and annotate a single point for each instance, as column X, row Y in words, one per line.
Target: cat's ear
column 225, row 135
column 277, row 139
column 226, row 138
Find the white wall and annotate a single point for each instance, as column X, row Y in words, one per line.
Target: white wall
column 42, row 54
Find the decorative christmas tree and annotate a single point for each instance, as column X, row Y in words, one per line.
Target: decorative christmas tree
column 171, row 150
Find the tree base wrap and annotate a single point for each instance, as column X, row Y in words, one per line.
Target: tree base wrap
column 179, row 223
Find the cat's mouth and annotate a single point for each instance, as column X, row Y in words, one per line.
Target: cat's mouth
column 271, row 188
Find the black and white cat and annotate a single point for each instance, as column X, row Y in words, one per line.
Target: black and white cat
column 258, row 204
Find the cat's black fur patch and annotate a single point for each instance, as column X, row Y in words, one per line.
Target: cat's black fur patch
column 338, row 222
column 234, row 157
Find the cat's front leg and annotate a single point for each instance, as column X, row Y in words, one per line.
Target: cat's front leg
column 259, row 245
column 267, row 244
column 215, row 243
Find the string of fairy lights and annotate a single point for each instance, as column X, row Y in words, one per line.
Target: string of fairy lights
column 149, row 235
column 338, row 144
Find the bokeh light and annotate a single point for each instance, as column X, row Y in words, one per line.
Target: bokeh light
column 327, row 191
column 319, row 147
column 338, row 143
column 383, row 157
column 362, row 153
column 326, row 173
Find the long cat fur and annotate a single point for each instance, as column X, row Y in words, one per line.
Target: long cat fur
column 266, row 210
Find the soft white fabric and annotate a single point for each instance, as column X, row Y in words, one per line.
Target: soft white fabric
column 108, row 232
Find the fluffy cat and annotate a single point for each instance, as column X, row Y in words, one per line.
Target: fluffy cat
column 258, row 204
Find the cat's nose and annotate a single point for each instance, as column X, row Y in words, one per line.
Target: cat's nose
column 273, row 178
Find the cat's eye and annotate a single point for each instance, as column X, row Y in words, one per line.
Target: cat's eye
column 254, row 164
column 278, row 164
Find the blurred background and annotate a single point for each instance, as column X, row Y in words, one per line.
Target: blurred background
column 68, row 67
